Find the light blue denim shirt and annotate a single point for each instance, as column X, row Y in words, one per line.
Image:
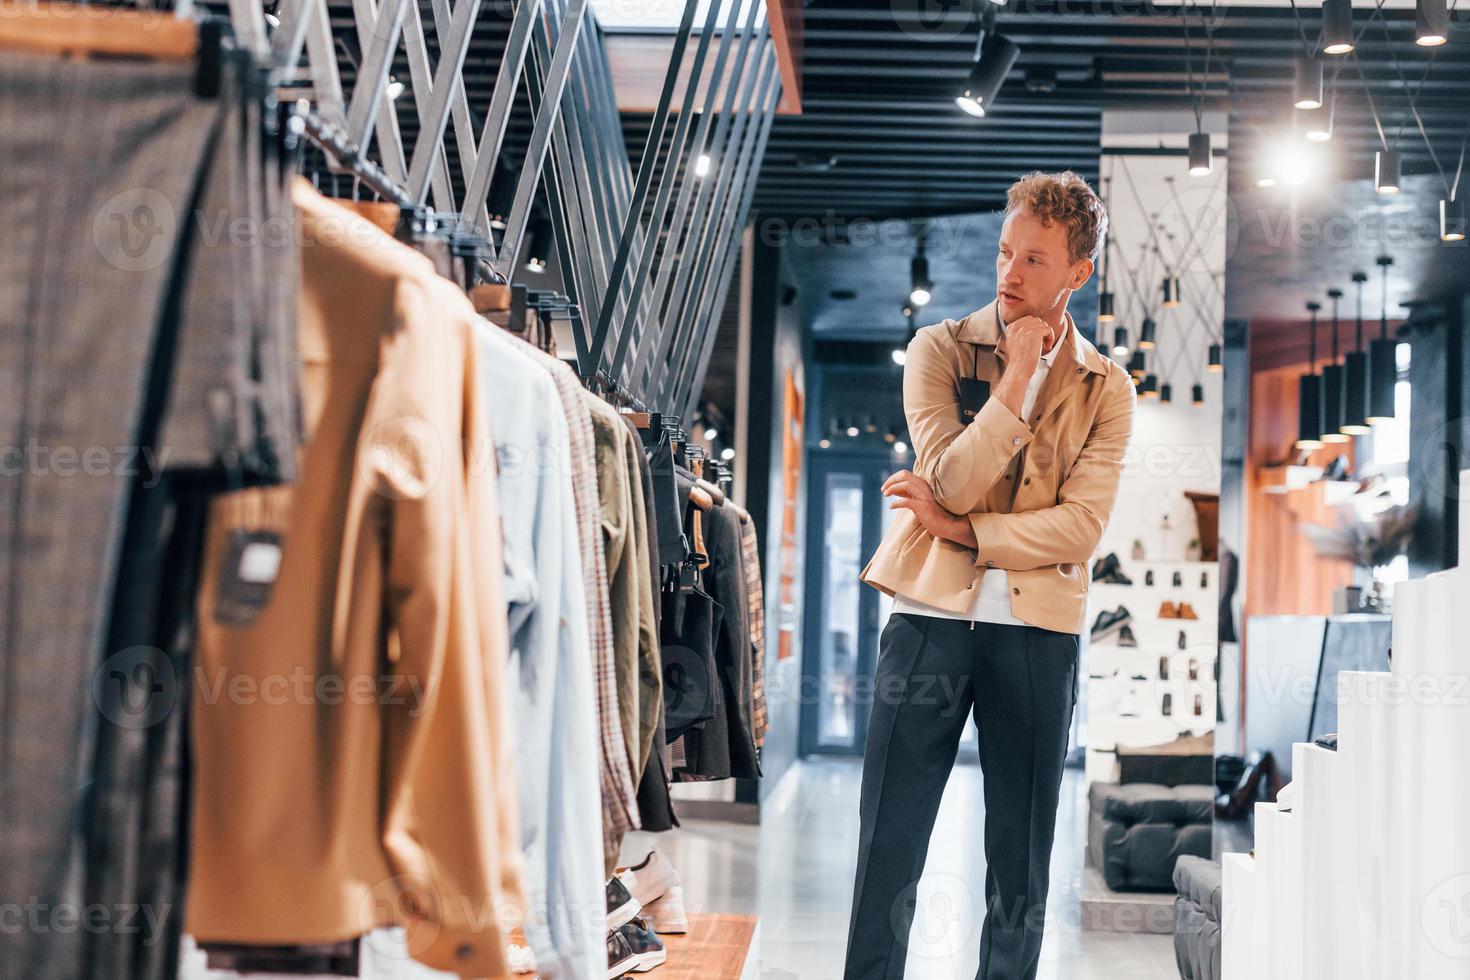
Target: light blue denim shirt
column 552, row 697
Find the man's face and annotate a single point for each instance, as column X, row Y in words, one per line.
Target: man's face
column 1034, row 272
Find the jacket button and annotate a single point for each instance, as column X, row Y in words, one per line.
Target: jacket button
column 1015, row 591
column 1081, row 370
column 990, row 564
column 1027, row 481
column 1015, row 440
column 970, row 586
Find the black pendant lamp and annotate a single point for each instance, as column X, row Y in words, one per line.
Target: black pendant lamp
column 1197, row 394
column 997, row 56
column 1120, row 341
column 1307, row 83
column 1451, row 220
column 1147, row 334
column 1105, row 312
column 1431, row 23
column 1332, row 384
column 1216, row 362
column 1150, row 386
column 1172, row 291
column 1166, row 392
column 1136, row 365
column 1387, row 172
column 1201, row 162
column 1337, row 26
column 1383, row 366
column 1309, row 392
column 1355, row 376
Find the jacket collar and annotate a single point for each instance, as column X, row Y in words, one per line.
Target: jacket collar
column 983, row 328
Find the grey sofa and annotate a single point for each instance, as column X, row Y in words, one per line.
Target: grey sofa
column 1197, row 918
column 1137, row 832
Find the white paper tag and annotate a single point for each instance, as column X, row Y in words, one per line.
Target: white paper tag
column 260, row 562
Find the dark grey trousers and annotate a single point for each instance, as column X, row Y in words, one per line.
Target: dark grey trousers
column 1020, row 682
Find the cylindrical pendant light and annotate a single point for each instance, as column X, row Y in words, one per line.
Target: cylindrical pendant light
column 1355, row 376
column 1171, row 291
column 1309, row 392
column 1451, row 221
column 1316, row 124
column 1307, row 82
column 1150, row 386
column 1105, row 312
column 997, row 56
column 1387, row 177
column 1166, row 392
column 1333, row 384
column 1197, row 394
column 1216, row 362
column 1146, row 334
column 1136, row 365
column 1337, row 26
column 1431, row 23
column 1383, row 367
column 920, row 288
column 1120, row 341
column 1200, row 161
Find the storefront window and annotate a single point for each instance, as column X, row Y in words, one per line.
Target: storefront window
column 837, row 719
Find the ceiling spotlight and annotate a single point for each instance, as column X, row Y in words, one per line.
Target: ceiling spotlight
column 901, row 448
column 1215, row 364
column 1265, row 181
column 891, row 436
column 727, row 454
column 1146, row 338
column 1307, row 83
column 1337, row 26
column 1200, row 163
column 1105, row 312
column 869, row 425
column 395, row 88
column 1451, row 221
column 1431, row 23
column 1120, row 342
column 1197, row 394
column 711, row 434
column 537, row 244
column 1317, row 123
column 825, row 443
column 852, row 431
column 1041, row 79
column 1387, row 176
column 701, row 165
column 997, row 55
column 921, row 289
column 899, row 355
column 272, row 20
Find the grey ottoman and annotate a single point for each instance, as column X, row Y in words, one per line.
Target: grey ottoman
column 1197, row 918
column 1136, row 833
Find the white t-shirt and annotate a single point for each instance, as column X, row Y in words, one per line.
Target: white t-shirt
column 993, row 599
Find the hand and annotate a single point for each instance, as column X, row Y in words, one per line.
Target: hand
column 1025, row 341
column 913, row 494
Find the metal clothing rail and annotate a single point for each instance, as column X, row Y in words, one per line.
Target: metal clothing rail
column 646, row 258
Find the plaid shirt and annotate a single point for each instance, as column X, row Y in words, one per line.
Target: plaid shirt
column 750, row 558
column 619, row 794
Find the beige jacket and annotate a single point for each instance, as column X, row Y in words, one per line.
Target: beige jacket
column 1038, row 492
column 352, row 764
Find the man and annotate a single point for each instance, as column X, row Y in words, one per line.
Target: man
column 1019, row 427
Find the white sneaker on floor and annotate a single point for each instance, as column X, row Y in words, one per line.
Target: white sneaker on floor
column 667, row 914
column 652, row 879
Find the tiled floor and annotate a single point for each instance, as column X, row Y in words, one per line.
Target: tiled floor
column 795, row 872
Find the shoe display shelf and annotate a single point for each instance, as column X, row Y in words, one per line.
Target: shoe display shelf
column 1123, row 710
column 1368, row 874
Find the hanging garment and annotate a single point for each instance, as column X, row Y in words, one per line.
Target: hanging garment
column 552, row 695
column 349, row 703
column 667, row 510
column 692, row 693
column 100, row 163
column 756, row 603
column 619, row 803
column 645, row 586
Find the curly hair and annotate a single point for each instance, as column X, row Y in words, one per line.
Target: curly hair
column 1063, row 197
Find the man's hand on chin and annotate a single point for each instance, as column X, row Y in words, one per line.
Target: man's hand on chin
column 911, row 493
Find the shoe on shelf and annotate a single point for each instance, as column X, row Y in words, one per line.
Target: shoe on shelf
column 1107, row 569
column 1328, row 741
column 667, row 914
column 1140, row 677
column 1199, row 705
column 1168, row 705
column 1148, row 577
column 1178, row 579
column 621, row 905
column 1186, row 611
column 648, row 951
column 1126, row 637
column 621, row 960
column 1204, row 580
column 1109, row 622
column 1167, row 610
column 1163, row 668
column 1193, row 669
column 1184, row 643
column 651, row 878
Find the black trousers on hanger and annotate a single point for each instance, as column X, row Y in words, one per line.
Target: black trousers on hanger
column 1020, row 682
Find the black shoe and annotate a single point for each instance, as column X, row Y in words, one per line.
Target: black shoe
column 645, row 944
column 1108, row 623
column 621, row 906
column 1183, row 641
column 1140, row 677
column 1326, row 741
column 1163, row 668
column 1178, row 579
column 1148, row 577
column 621, row 959
column 1107, row 569
column 1126, row 638
column 1204, row 580
column 1168, row 705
